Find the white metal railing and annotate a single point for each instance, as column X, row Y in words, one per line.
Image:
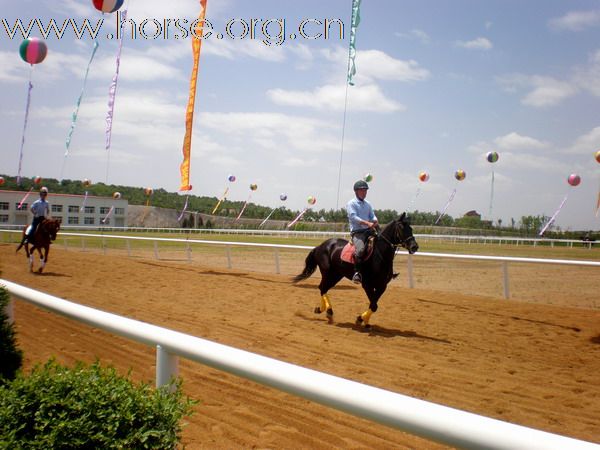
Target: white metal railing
column 411, row 281
column 293, row 233
column 429, row 420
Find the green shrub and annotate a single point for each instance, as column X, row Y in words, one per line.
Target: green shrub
column 11, row 357
column 88, row 408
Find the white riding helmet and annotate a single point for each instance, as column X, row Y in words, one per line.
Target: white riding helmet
column 44, row 189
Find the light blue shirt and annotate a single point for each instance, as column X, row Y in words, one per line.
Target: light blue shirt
column 359, row 210
column 40, row 208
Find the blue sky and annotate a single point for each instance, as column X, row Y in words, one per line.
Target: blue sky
column 438, row 84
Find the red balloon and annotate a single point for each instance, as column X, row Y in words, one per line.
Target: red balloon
column 107, row 6
column 33, row 50
column 574, row 179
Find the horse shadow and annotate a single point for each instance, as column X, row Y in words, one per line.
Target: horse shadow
column 379, row 331
column 52, row 274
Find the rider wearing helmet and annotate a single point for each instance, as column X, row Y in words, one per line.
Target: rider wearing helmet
column 40, row 209
column 362, row 220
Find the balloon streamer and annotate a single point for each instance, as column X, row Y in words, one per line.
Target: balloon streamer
column 220, row 200
column 112, row 92
column 184, row 168
column 413, row 199
column 110, row 211
column 24, row 198
column 491, row 196
column 355, row 21
column 551, row 221
column 243, row 208
column 268, row 217
column 598, row 204
column 84, row 200
column 446, row 207
column 298, row 217
column 77, row 105
column 30, row 87
column 187, row 197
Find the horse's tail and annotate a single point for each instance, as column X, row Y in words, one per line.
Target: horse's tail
column 20, row 245
column 309, row 268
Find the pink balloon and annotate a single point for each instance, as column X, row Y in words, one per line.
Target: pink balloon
column 574, row 179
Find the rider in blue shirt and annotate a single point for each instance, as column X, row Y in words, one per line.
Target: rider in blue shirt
column 362, row 220
column 40, row 209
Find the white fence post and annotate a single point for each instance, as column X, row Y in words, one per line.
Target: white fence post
column 167, row 367
column 82, row 244
column 277, row 270
column 128, row 248
column 156, row 250
column 228, row 248
column 103, row 245
column 188, row 250
column 505, row 278
column 409, row 270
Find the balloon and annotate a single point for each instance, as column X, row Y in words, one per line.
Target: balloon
column 598, row 156
column 253, row 187
column 492, row 157
column 1, row 181
column 37, row 180
column 311, row 200
column 460, row 174
column 148, row 191
column 86, row 182
column 368, row 178
column 117, row 195
column 574, row 179
column 283, row 197
column 423, row 176
column 107, row 6
column 33, row 50
column 231, row 178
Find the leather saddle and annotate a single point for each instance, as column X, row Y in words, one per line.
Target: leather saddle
column 348, row 254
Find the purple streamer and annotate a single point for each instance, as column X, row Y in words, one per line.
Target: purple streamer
column 551, row 221
column 184, row 208
column 446, row 207
column 25, row 125
column 112, row 91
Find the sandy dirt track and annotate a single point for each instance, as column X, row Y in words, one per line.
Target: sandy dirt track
column 528, row 363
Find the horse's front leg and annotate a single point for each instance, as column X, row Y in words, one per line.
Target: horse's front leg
column 325, row 307
column 43, row 258
column 29, row 257
column 374, row 294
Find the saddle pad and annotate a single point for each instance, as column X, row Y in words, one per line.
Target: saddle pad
column 28, row 230
column 348, row 253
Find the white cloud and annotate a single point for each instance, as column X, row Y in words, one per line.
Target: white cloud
column 331, row 97
column 514, row 141
column 589, row 77
column 548, row 91
column 576, row 20
column 417, row 34
column 479, row 43
column 588, row 143
column 545, row 91
column 232, row 49
column 377, row 65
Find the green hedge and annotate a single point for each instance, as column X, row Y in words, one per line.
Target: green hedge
column 11, row 358
column 88, row 407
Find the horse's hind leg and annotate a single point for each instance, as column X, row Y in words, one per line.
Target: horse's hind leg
column 43, row 258
column 327, row 282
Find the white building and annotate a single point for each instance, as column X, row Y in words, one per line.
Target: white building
column 74, row 210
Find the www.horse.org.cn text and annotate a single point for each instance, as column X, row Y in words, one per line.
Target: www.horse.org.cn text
column 271, row 32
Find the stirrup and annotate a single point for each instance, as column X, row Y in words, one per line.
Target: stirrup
column 357, row 278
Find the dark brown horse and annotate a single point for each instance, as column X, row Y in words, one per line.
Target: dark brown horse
column 45, row 233
column 377, row 271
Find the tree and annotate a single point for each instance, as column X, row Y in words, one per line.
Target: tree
column 10, row 355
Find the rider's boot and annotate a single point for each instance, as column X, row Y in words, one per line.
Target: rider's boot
column 357, row 278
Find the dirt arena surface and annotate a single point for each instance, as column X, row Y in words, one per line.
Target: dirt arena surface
column 525, row 362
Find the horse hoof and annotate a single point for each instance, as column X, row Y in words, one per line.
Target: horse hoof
column 359, row 320
column 330, row 312
column 318, row 310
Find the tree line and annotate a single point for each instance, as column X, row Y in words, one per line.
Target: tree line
column 528, row 225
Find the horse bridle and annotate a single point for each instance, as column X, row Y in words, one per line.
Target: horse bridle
column 402, row 243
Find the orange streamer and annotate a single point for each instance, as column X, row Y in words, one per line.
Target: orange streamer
column 189, row 115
